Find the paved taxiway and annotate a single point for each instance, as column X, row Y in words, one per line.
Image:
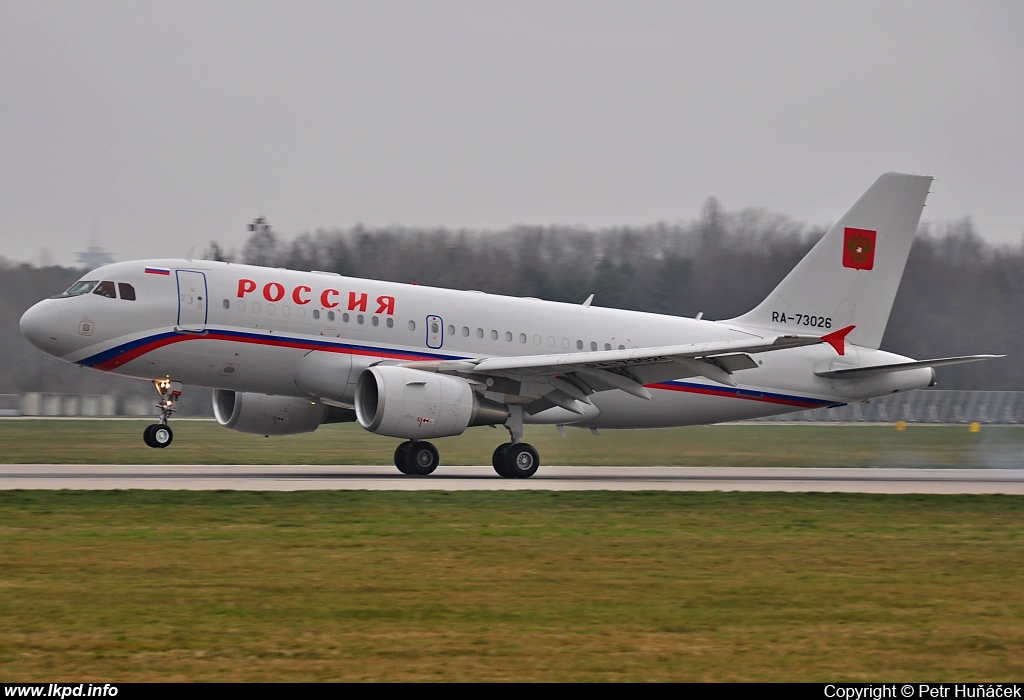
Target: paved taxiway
column 379, row 478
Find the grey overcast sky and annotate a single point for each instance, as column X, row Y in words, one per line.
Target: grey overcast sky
column 151, row 127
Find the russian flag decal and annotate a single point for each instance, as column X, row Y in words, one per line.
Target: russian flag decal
column 158, row 271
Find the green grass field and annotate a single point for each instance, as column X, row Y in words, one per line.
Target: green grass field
column 205, row 442
column 160, row 585
column 123, row 586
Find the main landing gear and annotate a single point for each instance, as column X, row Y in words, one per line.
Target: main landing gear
column 160, row 434
column 515, row 459
column 512, row 460
column 416, row 458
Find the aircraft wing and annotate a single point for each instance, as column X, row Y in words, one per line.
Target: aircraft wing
column 563, row 379
column 854, row 372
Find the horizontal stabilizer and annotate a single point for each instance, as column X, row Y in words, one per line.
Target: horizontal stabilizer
column 854, row 372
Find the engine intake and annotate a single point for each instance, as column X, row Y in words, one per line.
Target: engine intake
column 263, row 414
column 410, row 403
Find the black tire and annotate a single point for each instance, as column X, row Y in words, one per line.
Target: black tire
column 147, row 435
column 521, row 460
column 161, row 435
column 401, row 458
column 422, row 458
column 498, row 460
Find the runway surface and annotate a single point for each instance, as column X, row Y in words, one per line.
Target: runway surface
column 554, row 478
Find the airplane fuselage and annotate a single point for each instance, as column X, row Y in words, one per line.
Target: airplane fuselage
column 247, row 329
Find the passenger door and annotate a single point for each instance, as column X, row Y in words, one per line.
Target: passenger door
column 192, row 301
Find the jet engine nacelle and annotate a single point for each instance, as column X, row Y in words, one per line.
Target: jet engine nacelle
column 330, row 375
column 274, row 415
column 410, row 403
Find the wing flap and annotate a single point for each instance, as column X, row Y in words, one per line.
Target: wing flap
column 615, row 359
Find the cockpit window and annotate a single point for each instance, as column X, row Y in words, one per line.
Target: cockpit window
column 126, row 290
column 106, row 289
column 82, row 287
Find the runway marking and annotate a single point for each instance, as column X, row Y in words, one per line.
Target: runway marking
column 552, row 478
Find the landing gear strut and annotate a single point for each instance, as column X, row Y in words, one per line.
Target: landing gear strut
column 160, row 434
column 416, row 458
column 515, row 459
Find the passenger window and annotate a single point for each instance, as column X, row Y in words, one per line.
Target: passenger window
column 127, row 291
column 465, row 331
column 330, row 315
column 316, row 314
column 607, row 346
column 375, row 320
column 391, row 323
column 360, row 319
column 451, row 329
column 479, row 332
column 508, row 336
column 522, row 337
column 227, row 302
column 344, row 317
column 579, row 344
column 106, row 289
column 593, row 345
column 494, row 335
column 412, row 325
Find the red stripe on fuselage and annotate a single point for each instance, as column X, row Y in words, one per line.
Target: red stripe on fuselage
column 726, row 393
column 135, row 353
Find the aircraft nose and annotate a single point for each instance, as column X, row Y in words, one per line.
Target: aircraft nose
column 41, row 325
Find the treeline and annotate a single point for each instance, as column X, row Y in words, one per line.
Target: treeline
column 715, row 265
column 960, row 294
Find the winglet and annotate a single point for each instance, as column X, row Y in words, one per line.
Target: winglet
column 837, row 339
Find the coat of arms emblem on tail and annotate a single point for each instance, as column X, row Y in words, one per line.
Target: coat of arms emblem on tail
column 859, row 248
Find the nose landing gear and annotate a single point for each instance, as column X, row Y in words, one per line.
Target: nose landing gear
column 160, row 434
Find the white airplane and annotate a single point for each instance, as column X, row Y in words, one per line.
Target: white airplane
column 287, row 351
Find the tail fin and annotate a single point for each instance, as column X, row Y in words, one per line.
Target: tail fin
column 850, row 277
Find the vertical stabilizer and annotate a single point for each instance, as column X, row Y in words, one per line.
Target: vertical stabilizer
column 850, row 277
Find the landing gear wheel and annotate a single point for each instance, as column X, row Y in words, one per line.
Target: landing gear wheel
column 498, row 460
column 421, row 458
column 158, row 435
column 521, row 460
column 401, row 458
